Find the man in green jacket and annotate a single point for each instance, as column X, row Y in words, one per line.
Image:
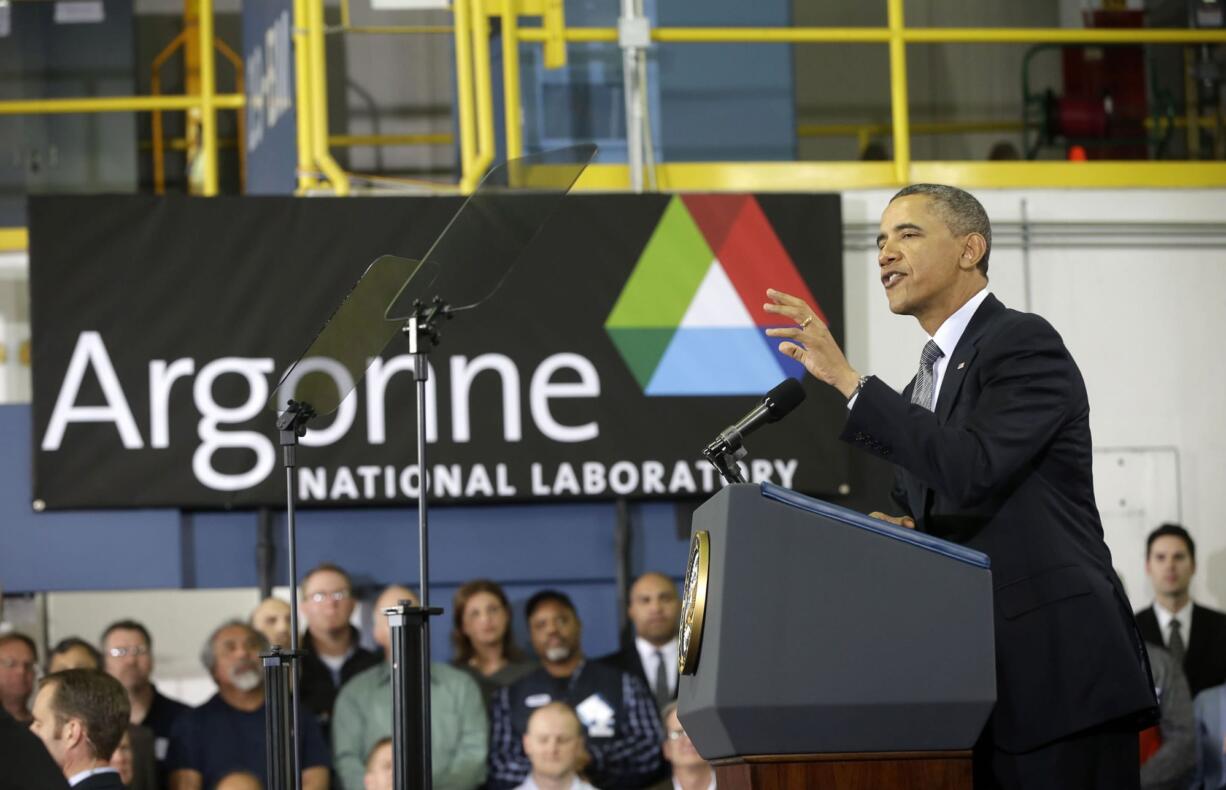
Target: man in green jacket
column 459, row 734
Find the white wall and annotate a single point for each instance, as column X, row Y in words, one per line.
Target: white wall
column 1143, row 319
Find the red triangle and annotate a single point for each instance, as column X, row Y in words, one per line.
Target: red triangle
column 714, row 214
column 755, row 260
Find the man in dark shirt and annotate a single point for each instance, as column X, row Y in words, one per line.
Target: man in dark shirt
column 331, row 653
column 620, row 720
column 127, row 656
column 226, row 734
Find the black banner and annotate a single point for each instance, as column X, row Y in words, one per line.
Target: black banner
column 629, row 334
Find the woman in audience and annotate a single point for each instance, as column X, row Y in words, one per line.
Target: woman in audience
column 481, row 638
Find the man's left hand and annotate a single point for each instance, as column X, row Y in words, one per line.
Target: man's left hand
column 810, row 342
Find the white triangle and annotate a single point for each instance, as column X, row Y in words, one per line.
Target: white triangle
column 716, row 303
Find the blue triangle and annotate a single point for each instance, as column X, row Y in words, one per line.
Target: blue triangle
column 717, row 361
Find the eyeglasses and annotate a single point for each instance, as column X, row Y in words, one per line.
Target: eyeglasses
column 336, row 595
column 676, row 735
column 120, row 652
column 12, row 663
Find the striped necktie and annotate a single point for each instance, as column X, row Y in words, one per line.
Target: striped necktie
column 922, row 394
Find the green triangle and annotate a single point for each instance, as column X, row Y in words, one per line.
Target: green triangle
column 667, row 275
column 641, row 348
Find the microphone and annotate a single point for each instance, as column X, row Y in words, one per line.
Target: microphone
column 778, row 403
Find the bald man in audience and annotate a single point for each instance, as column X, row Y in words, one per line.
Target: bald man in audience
column 690, row 771
column 379, row 767
column 555, row 746
column 362, row 717
column 80, row 715
column 240, row 780
column 655, row 611
column 271, row 618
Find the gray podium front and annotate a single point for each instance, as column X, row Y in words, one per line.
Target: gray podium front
column 832, row 637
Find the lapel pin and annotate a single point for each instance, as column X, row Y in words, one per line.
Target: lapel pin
column 961, row 365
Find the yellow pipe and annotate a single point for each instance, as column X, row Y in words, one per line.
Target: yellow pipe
column 485, row 95
column 350, row 140
column 399, row 30
column 807, row 176
column 302, row 98
column 1059, row 35
column 882, row 35
column 511, row 102
column 345, row 13
column 208, row 87
column 14, row 239
column 898, row 93
column 465, row 91
column 875, row 129
column 772, row 35
column 319, row 99
column 117, row 104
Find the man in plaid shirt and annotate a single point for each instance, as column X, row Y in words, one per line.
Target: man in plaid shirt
column 620, row 720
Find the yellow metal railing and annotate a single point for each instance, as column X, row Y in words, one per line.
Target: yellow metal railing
column 553, row 33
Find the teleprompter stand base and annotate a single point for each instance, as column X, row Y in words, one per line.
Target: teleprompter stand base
column 853, row 771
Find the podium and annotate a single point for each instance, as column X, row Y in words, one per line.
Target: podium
column 827, row 649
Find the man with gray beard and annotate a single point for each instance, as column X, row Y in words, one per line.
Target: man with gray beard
column 226, row 734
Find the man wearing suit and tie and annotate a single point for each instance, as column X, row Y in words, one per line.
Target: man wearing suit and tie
column 1194, row 634
column 654, row 610
column 81, row 715
column 991, row 445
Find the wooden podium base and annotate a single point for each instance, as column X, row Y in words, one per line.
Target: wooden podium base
column 855, row 771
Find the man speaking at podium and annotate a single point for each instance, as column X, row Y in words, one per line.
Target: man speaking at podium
column 991, row 447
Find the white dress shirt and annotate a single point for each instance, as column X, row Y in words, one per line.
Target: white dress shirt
column 1184, row 616
column 947, row 337
column 81, row 776
column 647, row 654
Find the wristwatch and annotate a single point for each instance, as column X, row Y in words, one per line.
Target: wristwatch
column 856, row 391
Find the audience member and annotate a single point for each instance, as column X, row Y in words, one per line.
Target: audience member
column 271, row 618
column 651, row 652
column 18, row 658
column 1209, row 708
column 127, row 655
column 1194, row 634
column 363, row 716
column 26, row 763
column 1172, row 765
column 73, row 653
column 226, row 734
column 619, row 716
column 80, row 715
column 331, row 653
column 481, row 639
column 689, row 770
column 240, row 780
column 554, row 745
column 379, row 767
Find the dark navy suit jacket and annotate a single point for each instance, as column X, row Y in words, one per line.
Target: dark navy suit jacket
column 1004, row 466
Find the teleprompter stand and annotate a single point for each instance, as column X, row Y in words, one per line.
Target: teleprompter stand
column 469, row 261
column 408, row 625
column 281, row 725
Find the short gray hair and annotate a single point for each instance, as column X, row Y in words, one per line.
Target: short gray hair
column 208, row 656
column 960, row 210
